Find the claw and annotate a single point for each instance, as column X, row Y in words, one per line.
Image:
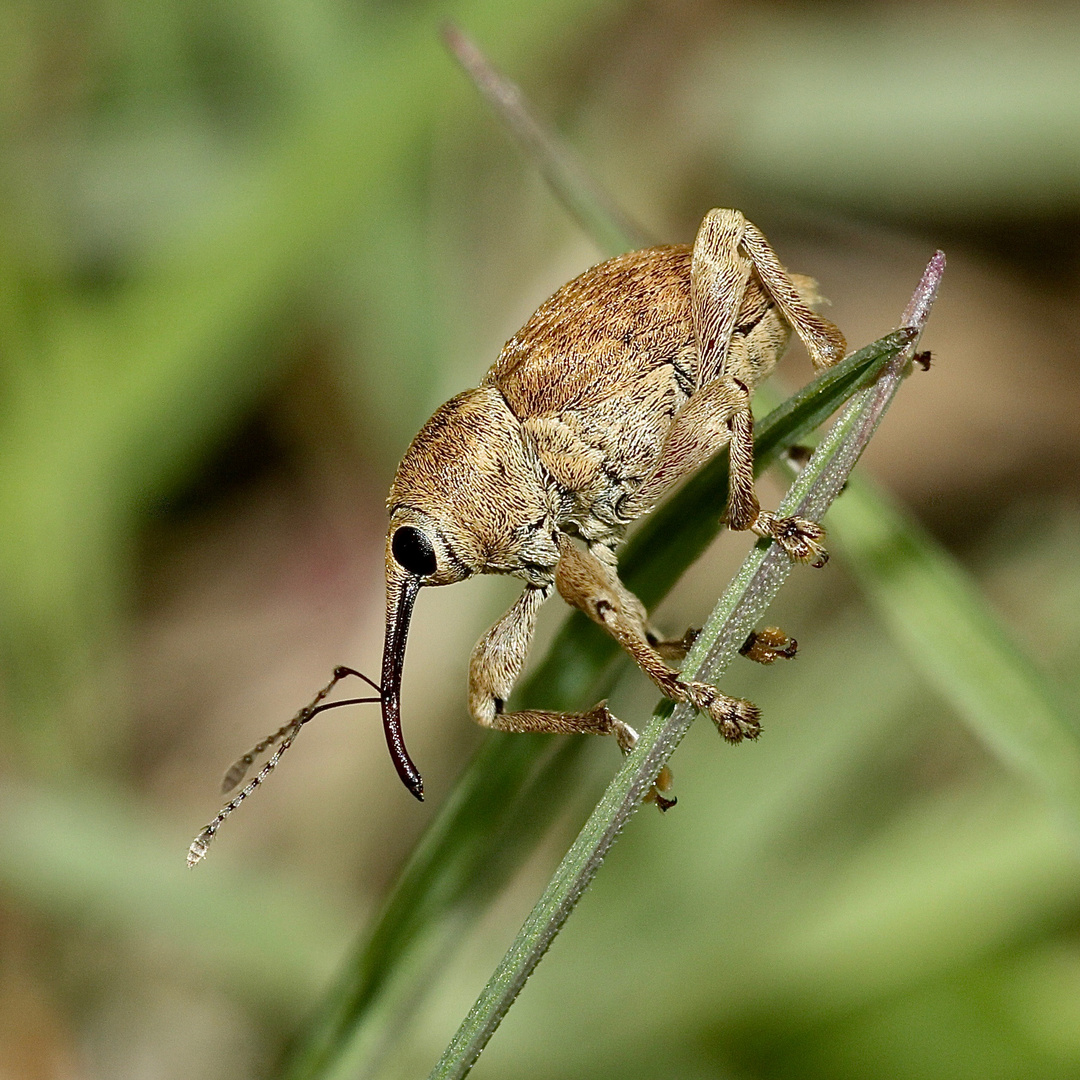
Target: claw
column 627, row 739
column 738, row 723
column 624, row 734
column 769, row 644
column 660, row 785
column 797, row 536
column 734, row 718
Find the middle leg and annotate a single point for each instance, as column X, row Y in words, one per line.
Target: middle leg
column 588, row 581
column 719, row 415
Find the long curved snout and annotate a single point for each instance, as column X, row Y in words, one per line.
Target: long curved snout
column 401, row 589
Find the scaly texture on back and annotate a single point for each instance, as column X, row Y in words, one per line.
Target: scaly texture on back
column 599, row 333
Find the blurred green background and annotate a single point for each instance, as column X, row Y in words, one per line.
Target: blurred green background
column 245, row 249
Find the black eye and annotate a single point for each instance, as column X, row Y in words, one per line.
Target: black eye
column 413, row 551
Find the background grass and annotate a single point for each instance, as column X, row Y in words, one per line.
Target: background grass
column 244, row 251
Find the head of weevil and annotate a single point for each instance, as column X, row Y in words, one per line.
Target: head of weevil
column 468, row 498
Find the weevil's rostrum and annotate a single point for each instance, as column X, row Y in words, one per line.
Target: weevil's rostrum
column 627, row 379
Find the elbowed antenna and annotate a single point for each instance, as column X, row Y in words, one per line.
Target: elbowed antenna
column 286, row 734
column 402, row 590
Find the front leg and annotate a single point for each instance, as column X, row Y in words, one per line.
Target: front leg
column 494, row 667
column 590, row 583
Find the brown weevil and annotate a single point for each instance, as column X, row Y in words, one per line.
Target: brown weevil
column 628, row 378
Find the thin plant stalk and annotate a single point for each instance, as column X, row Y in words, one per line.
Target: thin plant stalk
column 599, row 215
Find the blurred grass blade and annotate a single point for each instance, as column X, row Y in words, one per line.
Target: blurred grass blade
column 63, row 850
column 948, row 629
column 747, row 597
column 597, row 213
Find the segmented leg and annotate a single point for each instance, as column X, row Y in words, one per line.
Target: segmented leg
column 727, row 249
column 494, row 667
column 700, row 429
column 822, row 339
column 800, row 538
column 587, row 581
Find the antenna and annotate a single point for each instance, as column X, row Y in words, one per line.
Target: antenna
column 285, row 735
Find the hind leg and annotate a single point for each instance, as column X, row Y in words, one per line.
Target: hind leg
column 727, row 250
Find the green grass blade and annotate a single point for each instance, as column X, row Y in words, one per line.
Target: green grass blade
column 750, row 593
column 598, row 214
column 946, row 626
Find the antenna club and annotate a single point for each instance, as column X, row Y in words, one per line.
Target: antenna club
column 197, row 851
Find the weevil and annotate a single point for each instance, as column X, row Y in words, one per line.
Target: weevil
column 622, row 383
